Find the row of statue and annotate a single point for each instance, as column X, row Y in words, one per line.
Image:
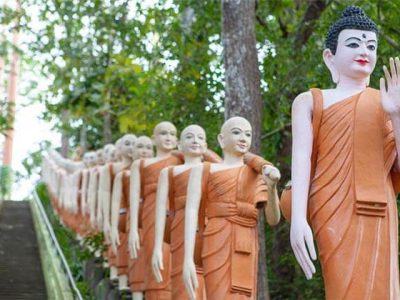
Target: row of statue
column 138, row 202
column 182, row 224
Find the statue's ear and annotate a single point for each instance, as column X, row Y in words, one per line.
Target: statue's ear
column 329, row 58
column 178, row 144
column 221, row 140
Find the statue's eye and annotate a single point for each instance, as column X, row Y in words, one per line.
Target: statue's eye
column 236, row 132
column 353, row 45
column 371, row 47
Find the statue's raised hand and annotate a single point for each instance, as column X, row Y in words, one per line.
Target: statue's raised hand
column 390, row 88
column 271, row 175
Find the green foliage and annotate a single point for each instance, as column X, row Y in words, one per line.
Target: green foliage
column 6, row 181
column 6, row 118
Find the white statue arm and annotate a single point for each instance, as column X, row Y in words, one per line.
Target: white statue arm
column 161, row 210
column 115, row 206
column 84, row 190
column 91, row 195
column 67, row 164
column 99, row 195
column 67, row 192
column 75, row 180
column 390, row 98
column 271, row 176
column 191, row 223
column 301, row 236
column 134, row 240
column 105, row 192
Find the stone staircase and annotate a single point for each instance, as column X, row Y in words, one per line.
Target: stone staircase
column 21, row 275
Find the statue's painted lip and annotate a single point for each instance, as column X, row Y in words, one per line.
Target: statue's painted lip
column 362, row 61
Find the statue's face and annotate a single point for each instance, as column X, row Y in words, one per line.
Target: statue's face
column 236, row 136
column 127, row 145
column 165, row 136
column 109, row 153
column 85, row 159
column 112, row 155
column 143, row 148
column 356, row 53
column 90, row 159
column 193, row 141
column 100, row 156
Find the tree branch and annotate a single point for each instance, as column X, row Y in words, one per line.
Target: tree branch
column 275, row 131
column 312, row 14
column 390, row 41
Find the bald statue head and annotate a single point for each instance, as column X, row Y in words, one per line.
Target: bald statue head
column 100, row 157
column 90, row 159
column 126, row 145
column 109, row 153
column 164, row 136
column 235, row 136
column 193, row 141
column 143, row 147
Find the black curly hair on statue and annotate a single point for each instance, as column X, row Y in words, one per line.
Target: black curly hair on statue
column 353, row 17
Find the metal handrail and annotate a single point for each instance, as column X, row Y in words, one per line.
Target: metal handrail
column 57, row 245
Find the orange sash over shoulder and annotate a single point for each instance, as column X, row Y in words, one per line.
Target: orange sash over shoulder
column 369, row 147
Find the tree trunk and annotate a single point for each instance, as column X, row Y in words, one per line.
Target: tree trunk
column 83, row 137
column 242, row 92
column 12, row 95
column 64, row 135
column 242, row 75
column 107, row 134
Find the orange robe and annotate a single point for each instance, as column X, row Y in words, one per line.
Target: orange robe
column 179, row 187
column 230, row 239
column 136, row 266
column 109, row 253
column 150, row 176
column 358, row 253
column 85, row 229
column 122, row 253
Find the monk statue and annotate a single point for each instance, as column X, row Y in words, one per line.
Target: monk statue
column 143, row 150
column 79, row 191
column 228, row 194
column 109, row 158
column 171, row 198
column 125, row 150
column 145, row 173
column 71, row 189
column 92, row 192
column 349, row 203
column 100, row 156
column 105, row 189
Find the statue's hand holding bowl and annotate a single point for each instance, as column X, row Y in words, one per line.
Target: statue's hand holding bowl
column 271, row 175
